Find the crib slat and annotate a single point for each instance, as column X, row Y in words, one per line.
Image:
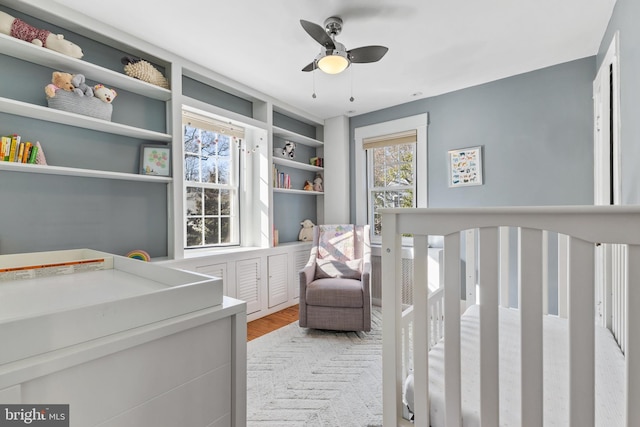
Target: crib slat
column 632, row 354
column 420, row 318
column 581, row 333
column 488, row 280
column 530, row 305
column 504, row 267
column 452, row 330
column 391, row 322
column 563, row 274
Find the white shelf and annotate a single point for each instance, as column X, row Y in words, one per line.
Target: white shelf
column 293, row 191
column 59, row 62
column 296, row 165
column 295, row 137
column 85, row 173
column 32, row 111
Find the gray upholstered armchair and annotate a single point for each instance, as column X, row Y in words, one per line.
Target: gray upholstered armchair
column 335, row 286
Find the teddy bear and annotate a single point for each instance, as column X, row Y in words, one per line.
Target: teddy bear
column 306, row 233
column 59, row 80
column 19, row 29
column 80, row 87
column 317, row 183
column 104, row 93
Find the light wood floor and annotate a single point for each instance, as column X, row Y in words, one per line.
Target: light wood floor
column 264, row 325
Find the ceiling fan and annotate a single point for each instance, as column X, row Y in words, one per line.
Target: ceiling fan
column 334, row 57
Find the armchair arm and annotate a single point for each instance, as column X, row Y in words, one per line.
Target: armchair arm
column 306, row 276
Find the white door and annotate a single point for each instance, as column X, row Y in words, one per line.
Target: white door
column 278, row 283
column 609, row 262
column 248, row 283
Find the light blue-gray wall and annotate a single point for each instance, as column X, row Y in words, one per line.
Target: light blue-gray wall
column 625, row 20
column 535, row 130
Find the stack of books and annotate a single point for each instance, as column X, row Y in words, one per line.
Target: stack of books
column 281, row 179
column 13, row 149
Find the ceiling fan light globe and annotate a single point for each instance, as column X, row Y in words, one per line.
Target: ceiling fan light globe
column 333, row 64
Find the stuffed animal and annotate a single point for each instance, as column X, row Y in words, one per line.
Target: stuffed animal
column 19, row 29
column 308, row 186
column 104, row 93
column 59, row 80
column 142, row 70
column 289, row 149
column 306, row 233
column 80, row 87
column 317, row 183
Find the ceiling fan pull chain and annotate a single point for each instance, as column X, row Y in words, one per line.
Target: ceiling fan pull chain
column 314, row 81
column 352, row 98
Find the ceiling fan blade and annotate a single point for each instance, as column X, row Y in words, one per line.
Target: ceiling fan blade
column 367, row 54
column 318, row 34
column 310, row 67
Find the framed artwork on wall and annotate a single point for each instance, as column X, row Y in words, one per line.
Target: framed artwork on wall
column 465, row 166
column 155, row 159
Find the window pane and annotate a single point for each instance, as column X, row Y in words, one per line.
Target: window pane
column 194, row 232
column 191, row 140
column 194, row 201
column 211, row 231
column 211, row 197
column 377, row 224
column 191, row 168
column 378, row 167
column 209, row 169
column 225, row 230
column 225, row 202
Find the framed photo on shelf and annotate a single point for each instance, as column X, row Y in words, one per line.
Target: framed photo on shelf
column 465, row 166
column 155, row 159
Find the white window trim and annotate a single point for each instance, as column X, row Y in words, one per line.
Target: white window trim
column 418, row 122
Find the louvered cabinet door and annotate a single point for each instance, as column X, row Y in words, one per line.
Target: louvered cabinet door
column 248, row 283
column 217, row 270
column 278, row 283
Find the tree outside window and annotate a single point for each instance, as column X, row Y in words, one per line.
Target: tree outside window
column 211, row 186
column 391, row 180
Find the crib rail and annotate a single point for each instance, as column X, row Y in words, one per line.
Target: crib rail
column 585, row 227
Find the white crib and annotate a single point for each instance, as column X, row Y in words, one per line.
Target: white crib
column 582, row 229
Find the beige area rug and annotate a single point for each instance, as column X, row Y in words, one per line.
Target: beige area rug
column 305, row 377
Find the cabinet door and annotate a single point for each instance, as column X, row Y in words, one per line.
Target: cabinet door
column 248, row 283
column 300, row 260
column 278, row 283
column 217, row 270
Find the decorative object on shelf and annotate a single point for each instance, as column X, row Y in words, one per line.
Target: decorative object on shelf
column 143, row 70
column 80, row 87
column 275, row 237
column 19, row 29
column 60, row 96
column 59, row 80
column 316, row 161
column 465, row 167
column 317, row 183
column 306, row 233
column 40, row 158
column 287, row 152
column 139, row 254
column 308, row 186
column 104, row 93
column 155, row 159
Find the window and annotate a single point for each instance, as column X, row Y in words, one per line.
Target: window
column 391, row 171
column 390, row 168
column 211, row 177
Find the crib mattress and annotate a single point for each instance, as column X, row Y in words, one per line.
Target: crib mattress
column 610, row 366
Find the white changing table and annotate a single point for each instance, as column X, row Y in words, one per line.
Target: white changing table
column 122, row 341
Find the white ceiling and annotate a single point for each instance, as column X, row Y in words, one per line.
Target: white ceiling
column 435, row 46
